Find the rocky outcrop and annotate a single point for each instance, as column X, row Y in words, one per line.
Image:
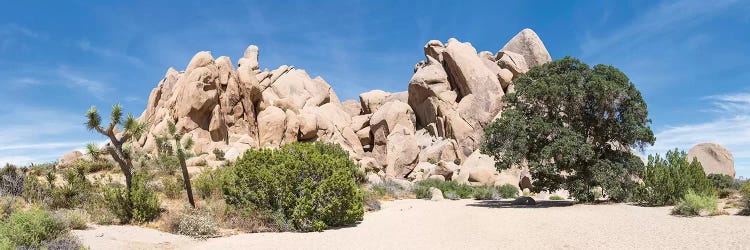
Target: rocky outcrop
column 70, row 158
column 431, row 130
column 714, row 158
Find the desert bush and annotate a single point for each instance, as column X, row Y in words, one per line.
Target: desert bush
column 722, row 181
column 219, row 154
column 745, row 193
column 556, row 198
column 371, row 200
column 451, row 196
column 666, row 181
column 507, row 191
column 9, row 204
column 172, row 186
column 140, row 206
column 389, row 190
column 196, row 224
column 495, row 193
column 73, row 219
column 11, row 180
column 422, row 188
column 76, row 191
column 65, row 242
column 694, row 204
column 31, row 229
column 93, row 166
column 210, row 182
column 168, row 164
column 303, row 186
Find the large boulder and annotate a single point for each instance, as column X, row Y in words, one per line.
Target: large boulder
column 372, row 100
column 384, row 121
column 528, row 44
column 70, row 158
column 714, row 158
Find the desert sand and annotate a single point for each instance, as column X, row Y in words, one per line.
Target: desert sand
column 469, row 224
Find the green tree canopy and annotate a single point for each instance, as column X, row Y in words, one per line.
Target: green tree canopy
column 575, row 126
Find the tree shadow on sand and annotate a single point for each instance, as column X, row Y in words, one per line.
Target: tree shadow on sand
column 511, row 204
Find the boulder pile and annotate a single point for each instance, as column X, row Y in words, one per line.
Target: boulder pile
column 432, row 130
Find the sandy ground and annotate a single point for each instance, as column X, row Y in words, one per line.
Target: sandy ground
column 469, row 224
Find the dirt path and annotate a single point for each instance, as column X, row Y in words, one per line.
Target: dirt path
column 468, row 224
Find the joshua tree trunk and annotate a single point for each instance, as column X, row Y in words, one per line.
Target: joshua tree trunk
column 126, row 165
column 186, row 177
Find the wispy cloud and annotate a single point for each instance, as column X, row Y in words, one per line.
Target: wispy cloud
column 76, row 80
column 86, row 46
column 731, row 129
column 655, row 22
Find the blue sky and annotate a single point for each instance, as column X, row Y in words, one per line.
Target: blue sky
column 688, row 57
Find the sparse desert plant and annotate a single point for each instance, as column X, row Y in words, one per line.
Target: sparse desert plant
column 303, row 186
column 451, row 196
column 389, row 190
column 484, row 193
column 31, row 229
column 210, row 182
column 555, row 197
column 172, row 186
column 76, row 191
column 12, row 180
column 10, row 204
column 370, row 200
column 695, row 204
column 219, row 154
column 180, row 148
column 73, row 218
column 196, row 224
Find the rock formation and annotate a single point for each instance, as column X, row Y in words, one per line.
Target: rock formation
column 433, row 127
column 714, row 158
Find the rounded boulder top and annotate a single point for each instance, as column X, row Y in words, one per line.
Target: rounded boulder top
column 714, row 158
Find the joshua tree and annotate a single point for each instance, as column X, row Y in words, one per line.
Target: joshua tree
column 179, row 149
column 130, row 129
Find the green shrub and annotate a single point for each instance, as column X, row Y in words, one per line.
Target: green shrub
column 556, row 198
column 76, row 191
column 722, row 181
column 507, row 191
column 168, row 164
column 32, row 228
column 9, row 204
column 6, row 244
column 422, row 188
column 693, row 204
column 173, row 186
column 140, row 206
column 73, row 219
column 303, row 186
column 666, row 181
column 94, row 166
column 745, row 192
column 389, row 190
column 495, row 193
column 210, row 182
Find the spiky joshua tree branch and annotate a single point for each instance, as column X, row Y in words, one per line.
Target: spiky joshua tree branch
column 130, row 128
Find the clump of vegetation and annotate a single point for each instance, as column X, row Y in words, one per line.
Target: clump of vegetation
column 140, row 205
column 506, row 191
column 219, row 154
column 695, row 204
column 34, row 228
column 210, row 182
column 667, row 180
column 451, row 196
column 172, row 186
column 463, row 191
column 745, row 192
column 196, row 224
column 302, row 186
column 575, row 126
column 556, row 198
column 724, row 184
column 76, row 191
column 73, row 219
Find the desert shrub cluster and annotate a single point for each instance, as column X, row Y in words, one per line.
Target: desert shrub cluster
column 301, row 186
column 668, row 180
column 140, row 205
column 695, row 204
column 35, row 229
column 454, row 190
